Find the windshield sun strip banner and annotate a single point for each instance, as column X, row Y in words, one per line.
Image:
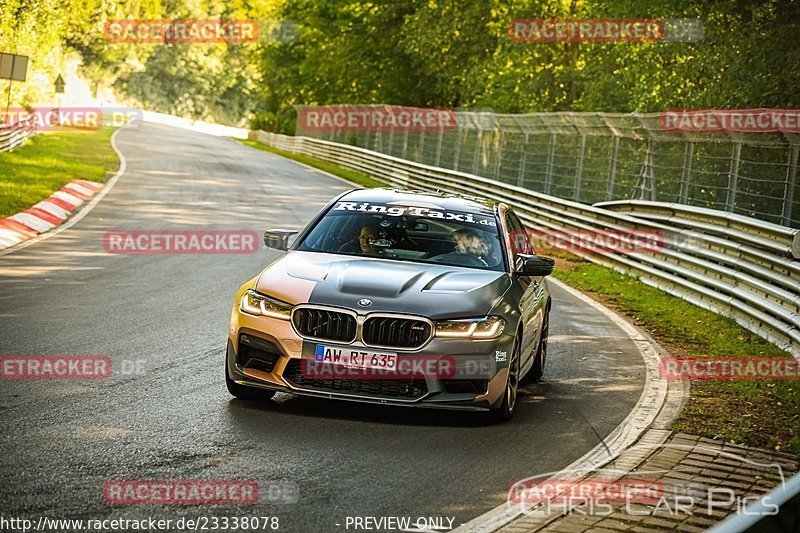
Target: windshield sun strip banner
column 415, row 211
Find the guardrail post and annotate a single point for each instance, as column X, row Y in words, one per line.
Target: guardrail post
column 791, row 180
column 733, row 176
column 551, row 154
column 459, row 142
column 498, row 156
column 612, row 168
column 647, row 178
column 521, row 174
column 652, row 169
column 382, row 140
column 579, row 167
column 439, row 147
column 405, row 144
column 476, row 157
column 687, row 172
column 390, row 142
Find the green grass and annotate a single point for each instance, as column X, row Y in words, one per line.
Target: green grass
column 756, row 413
column 49, row 161
column 358, row 178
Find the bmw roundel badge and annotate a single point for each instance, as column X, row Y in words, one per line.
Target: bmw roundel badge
column 365, row 302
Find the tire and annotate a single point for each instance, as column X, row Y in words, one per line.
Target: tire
column 244, row 392
column 537, row 370
column 505, row 411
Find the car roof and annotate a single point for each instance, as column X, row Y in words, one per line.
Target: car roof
column 446, row 201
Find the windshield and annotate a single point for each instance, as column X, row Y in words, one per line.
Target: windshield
column 408, row 233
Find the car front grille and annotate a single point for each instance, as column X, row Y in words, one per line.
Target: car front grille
column 324, row 324
column 396, row 332
column 403, row 389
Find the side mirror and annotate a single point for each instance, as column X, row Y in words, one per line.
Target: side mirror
column 534, row 265
column 278, row 238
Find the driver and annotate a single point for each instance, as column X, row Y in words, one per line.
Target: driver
column 363, row 242
column 471, row 242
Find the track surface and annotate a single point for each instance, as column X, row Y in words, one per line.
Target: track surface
column 61, row 441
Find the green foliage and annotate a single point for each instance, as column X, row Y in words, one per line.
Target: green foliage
column 214, row 82
column 201, row 81
column 49, row 161
column 50, row 32
column 436, row 53
column 194, row 82
column 716, row 408
column 456, row 53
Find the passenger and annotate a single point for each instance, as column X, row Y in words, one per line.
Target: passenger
column 471, row 242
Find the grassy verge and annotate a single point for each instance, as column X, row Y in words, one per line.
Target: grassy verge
column 756, row 413
column 49, row 161
column 350, row 175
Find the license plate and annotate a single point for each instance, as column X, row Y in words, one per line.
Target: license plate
column 355, row 358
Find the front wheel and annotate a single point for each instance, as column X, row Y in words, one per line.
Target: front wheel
column 505, row 411
column 537, row 370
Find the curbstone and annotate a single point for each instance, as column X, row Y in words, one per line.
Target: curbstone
column 47, row 214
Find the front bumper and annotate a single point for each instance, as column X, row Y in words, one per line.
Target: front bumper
column 267, row 353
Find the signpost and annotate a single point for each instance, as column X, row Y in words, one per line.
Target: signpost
column 59, row 91
column 12, row 68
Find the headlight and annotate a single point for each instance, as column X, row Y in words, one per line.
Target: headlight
column 473, row 328
column 257, row 304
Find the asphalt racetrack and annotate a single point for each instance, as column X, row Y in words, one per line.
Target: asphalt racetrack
column 164, row 413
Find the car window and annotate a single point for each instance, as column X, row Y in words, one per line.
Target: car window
column 518, row 236
column 418, row 233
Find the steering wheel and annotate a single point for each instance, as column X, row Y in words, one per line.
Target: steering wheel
column 460, row 259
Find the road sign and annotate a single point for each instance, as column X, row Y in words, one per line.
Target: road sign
column 13, row 67
column 60, row 84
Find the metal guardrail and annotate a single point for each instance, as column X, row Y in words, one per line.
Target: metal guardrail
column 739, row 272
column 13, row 135
column 779, row 239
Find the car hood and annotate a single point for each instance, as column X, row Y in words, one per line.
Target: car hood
column 432, row 290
